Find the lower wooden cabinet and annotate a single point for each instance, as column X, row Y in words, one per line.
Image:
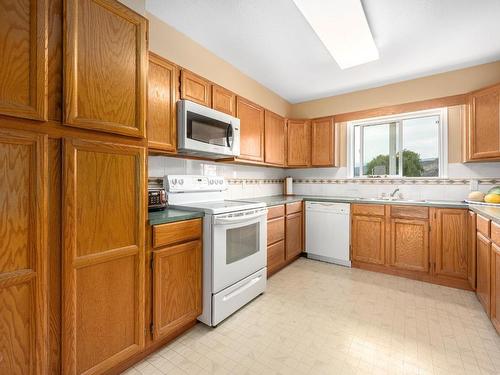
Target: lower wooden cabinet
column 294, row 238
column 471, row 247
column 483, row 286
column 368, row 238
column 275, row 256
column 495, row 286
column 409, row 246
column 177, row 287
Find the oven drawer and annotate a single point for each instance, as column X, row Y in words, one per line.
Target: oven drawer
column 236, row 296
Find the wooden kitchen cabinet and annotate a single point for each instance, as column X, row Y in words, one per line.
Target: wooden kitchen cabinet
column 251, row 130
column 483, row 284
column 177, row 286
column 23, row 61
column 105, row 67
column 195, row 88
column 495, row 286
column 298, row 143
column 23, row 253
column 275, row 230
column 294, row 238
column 368, row 239
column 409, row 246
column 484, row 124
column 471, row 249
column 323, row 142
column 275, row 139
column 161, row 118
column 223, row 100
column 103, row 259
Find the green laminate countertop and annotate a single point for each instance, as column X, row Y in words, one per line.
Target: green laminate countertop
column 170, row 215
column 275, row 200
column 489, row 212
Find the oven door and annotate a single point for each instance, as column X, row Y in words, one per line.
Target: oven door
column 238, row 246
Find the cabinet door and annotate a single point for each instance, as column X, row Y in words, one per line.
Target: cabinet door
column 105, row 67
column 368, row 239
column 177, row 272
column 299, row 143
column 274, row 139
column 471, row 249
column 449, row 228
column 495, row 286
column 483, row 271
column 275, row 256
column 251, row 129
column 275, row 230
column 23, row 60
column 103, row 258
column 195, row 88
column 294, row 242
column 23, row 253
column 162, row 88
column 409, row 248
column 322, row 142
column 223, row 100
column 484, row 124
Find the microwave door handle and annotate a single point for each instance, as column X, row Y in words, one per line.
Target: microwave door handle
column 227, row 136
column 239, row 219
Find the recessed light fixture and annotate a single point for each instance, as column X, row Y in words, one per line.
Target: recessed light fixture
column 342, row 27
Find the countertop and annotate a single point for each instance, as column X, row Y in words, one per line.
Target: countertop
column 275, row 200
column 170, row 215
column 492, row 213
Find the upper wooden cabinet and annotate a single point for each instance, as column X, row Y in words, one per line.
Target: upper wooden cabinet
column 323, row 142
column 409, row 247
column 275, row 138
column 195, row 88
column 23, row 253
column 223, row 100
column 105, row 67
column 298, row 143
column 484, row 124
column 103, row 258
column 251, row 129
column 161, row 119
column 23, row 60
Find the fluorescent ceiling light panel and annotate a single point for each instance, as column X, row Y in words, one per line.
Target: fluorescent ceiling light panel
column 342, row 27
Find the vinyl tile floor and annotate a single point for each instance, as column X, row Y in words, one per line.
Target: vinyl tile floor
column 318, row 318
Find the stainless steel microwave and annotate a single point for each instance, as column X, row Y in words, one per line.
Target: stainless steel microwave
column 202, row 131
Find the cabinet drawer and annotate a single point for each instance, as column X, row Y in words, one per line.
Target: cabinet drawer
column 495, row 233
column 483, row 225
column 275, row 230
column 292, row 208
column 275, row 211
column 275, row 255
column 368, row 209
column 410, row 212
column 181, row 231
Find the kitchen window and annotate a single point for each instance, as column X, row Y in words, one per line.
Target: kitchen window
column 408, row 145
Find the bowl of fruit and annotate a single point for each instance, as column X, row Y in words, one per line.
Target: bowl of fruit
column 491, row 198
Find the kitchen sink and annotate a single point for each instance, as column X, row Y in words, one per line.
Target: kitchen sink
column 393, row 200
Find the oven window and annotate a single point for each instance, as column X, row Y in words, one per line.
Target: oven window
column 207, row 130
column 242, row 242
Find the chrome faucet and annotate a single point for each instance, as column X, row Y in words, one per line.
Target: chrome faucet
column 394, row 192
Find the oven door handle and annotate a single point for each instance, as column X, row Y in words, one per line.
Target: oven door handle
column 238, row 219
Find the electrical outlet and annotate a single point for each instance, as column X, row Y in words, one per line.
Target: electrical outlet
column 474, row 185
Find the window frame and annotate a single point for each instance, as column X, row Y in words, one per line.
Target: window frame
column 398, row 119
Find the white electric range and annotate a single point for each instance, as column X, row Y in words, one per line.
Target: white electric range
column 234, row 243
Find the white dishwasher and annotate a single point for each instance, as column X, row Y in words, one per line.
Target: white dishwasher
column 328, row 232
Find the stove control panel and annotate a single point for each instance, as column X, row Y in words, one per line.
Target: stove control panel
column 189, row 183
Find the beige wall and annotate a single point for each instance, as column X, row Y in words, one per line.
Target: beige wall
column 435, row 86
column 178, row 48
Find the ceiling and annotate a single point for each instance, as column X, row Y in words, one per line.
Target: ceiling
column 271, row 41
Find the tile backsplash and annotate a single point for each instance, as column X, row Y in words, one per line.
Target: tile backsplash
column 251, row 181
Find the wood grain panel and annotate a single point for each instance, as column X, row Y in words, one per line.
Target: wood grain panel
column 368, row 239
column 275, row 230
column 323, row 142
column 275, row 139
column 298, row 143
column 23, row 253
column 171, row 233
column 450, row 242
column 223, row 100
column 177, row 286
column 105, row 67
column 495, row 286
column 162, row 88
column 103, row 267
column 275, row 256
column 251, row 129
column 409, row 212
column 483, row 225
column 495, row 233
column 294, row 207
column 55, row 60
column 23, row 61
column 471, row 249
column 275, row 211
column 368, row 209
column 294, row 235
column 483, row 284
column 409, row 247
column 195, row 88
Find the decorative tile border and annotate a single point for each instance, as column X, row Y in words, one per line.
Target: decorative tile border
column 396, row 181
column 155, row 181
